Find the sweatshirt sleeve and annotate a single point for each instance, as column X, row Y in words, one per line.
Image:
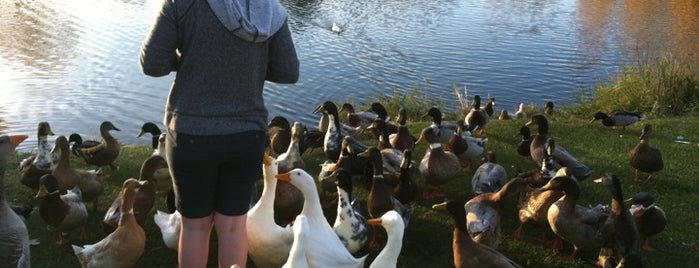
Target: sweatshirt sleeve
column 159, row 50
column 283, row 65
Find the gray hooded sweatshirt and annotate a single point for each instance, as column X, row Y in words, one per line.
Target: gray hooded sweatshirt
column 222, row 51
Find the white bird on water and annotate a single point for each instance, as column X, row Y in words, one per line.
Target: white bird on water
column 336, row 28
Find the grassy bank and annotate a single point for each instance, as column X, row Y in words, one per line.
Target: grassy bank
column 427, row 241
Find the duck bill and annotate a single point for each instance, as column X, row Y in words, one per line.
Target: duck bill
column 319, row 109
column 284, row 177
column 364, row 154
column 374, row 222
column 42, row 192
column 17, row 139
column 140, row 134
column 267, row 159
column 440, row 206
column 530, row 122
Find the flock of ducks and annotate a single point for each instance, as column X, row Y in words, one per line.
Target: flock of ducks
column 287, row 226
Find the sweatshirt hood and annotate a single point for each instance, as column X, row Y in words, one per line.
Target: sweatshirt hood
column 250, row 20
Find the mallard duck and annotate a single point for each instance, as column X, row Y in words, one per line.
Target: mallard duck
column 62, row 212
column 324, row 246
column 169, row 225
column 333, row 136
column 155, row 132
column 443, row 129
column 483, row 214
column 391, row 156
column 124, row 246
column 572, row 222
column 144, row 199
column 523, row 147
column 407, row 190
column 14, row 245
column 650, row 218
column 643, row 157
column 89, row 181
column 106, row 152
column 477, row 118
column 77, row 143
column 393, row 223
column 464, row 146
column 521, row 113
column 548, row 108
column 350, row 225
column 437, row 166
column 289, row 200
column 560, row 155
column 402, row 140
column 468, row 253
column 268, row 243
column 291, row 158
column 297, row 253
column 279, row 132
column 489, row 176
column 32, row 168
column 504, row 115
column 489, row 107
column 618, row 119
column 358, row 119
column 619, row 235
column 23, row 210
column 382, row 113
column 349, row 161
column 457, row 144
column 380, row 198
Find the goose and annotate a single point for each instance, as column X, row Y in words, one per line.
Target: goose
column 32, row 168
column 483, row 212
column 620, row 237
column 14, row 245
column 489, row 176
column 106, row 152
column 61, row 212
column 124, row 246
column 169, row 225
column 649, row 218
column 618, row 119
column 393, row 223
column 468, row 253
column 324, row 246
column 268, row 243
column 572, row 222
column 297, row 253
column 645, row 158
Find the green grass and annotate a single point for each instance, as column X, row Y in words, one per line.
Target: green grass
column 427, row 240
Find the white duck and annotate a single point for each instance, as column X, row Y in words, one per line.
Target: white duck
column 297, row 255
column 169, row 225
column 393, row 223
column 268, row 243
column 350, row 225
column 324, row 246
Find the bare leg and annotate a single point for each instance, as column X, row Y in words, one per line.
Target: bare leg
column 232, row 240
column 194, row 241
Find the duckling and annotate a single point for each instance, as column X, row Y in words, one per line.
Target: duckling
column 169, row 225
column 279, row 132
column 268, row 243
column 124, row 246
column 32, row 168
column 402, row 140
column 297, row 253
column 572, row 222
column 407, row 190
column 358, row 119
column 14, row 245
column 618, row 119
column 489, row 177
column 76, row 143
column 393, row 223
column 444, row 130
column 477, row 118
column 521, row 113
column 560, row 155
column 152, row 128
column 105, row 153
column 483, row 212
column 437, row 166
column 324, row 246
column 619, row 235
column 144, row 198
column 650, row 218
column 62, row 212
column 89, row 181
column 350, row 225
column 468, row 253
column 645, row 158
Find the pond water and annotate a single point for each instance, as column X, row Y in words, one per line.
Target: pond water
column 75, row 63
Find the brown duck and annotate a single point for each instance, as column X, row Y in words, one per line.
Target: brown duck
column 89, row 181
column 643, row 157
column 106, row 152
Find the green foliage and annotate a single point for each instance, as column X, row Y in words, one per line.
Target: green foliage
column 663, row 86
